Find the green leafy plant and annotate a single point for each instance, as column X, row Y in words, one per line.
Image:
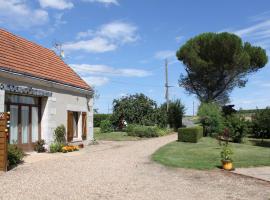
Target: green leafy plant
column 237, row 126
column 106, row 126
column 210, row 118
column 226, row 153
column 135, row 109
column 261, row 123
column 60, row 134
column 56, row 147
column 173, row 117
column 100, row 117
column 15, row 155
column 146, row 131
column 192, row 134
column 39, row 146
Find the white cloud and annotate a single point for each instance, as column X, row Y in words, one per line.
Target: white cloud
column 258, row 33
column 165, row 54
column 119, row 31
column 106, row 38
column 95, row 45
column 105, row 2
column 96, row 80
column 86, row 69
column 179, row 38
column 17, row 14
column 85, row 34
column 56, row 4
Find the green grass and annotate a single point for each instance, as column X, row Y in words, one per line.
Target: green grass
column 113, row 136
column 206, row 155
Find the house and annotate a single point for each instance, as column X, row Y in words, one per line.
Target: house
column 42, row 92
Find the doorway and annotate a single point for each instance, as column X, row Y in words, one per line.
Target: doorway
column 24, row 120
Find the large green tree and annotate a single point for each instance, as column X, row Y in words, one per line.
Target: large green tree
column 216, row 63
column 135, row 109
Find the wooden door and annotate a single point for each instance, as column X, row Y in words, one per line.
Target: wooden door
column 3, row 141
column 70, row 128
column 84, row 125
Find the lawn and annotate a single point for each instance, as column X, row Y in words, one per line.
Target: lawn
column 206, row 155
column 113, row 136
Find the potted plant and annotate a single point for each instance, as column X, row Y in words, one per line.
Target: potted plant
column 226, row 158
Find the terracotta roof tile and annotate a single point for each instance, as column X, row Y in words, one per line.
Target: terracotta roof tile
column 22, row 56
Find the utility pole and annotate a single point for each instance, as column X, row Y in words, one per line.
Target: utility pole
column 166, row 84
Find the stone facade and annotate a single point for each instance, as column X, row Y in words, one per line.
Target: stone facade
column 54, row 108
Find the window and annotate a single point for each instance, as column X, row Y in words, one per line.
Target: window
column 11, row 98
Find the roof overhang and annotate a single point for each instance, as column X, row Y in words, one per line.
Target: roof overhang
column 45, row 82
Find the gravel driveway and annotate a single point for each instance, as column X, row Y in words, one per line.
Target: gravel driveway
column 122, row 171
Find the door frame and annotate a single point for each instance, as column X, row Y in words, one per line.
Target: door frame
column 29, row 146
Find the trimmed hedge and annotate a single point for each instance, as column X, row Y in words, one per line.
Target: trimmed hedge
column 100, row 117
column 146, row 131
column 191, row 134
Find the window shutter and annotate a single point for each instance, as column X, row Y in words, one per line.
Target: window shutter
column 84, row 125
column 70, row 126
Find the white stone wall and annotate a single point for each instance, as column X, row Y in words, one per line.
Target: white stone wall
column 54, row 113
column 54, row 109
column 2, row 100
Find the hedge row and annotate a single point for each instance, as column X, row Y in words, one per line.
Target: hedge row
column 192, row 134
column 100, row 117
column 146, row 131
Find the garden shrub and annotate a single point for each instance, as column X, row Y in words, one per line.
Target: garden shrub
column 100, row 117
column 210, row 118
column 173, row 117
column 191, row 134
column 261, row 123
column 60, row 134
column 56, row 147
column 134, row 109
column 145, row 131
column 15, row 155
column 237, row 126
column 106, row 126
column 40, row 146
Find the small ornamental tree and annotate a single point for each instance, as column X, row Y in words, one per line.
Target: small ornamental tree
column 211, row 118
column 135, row 109
column 173, row 117
column 216, row 63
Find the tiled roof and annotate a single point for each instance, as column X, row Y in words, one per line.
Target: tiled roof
column 22, row 56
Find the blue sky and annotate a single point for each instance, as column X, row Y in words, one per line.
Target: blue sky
column 119, row 46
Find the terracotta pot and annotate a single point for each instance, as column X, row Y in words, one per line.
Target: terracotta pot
column 227, row 164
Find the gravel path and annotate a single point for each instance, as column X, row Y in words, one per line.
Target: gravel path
column 121, row 171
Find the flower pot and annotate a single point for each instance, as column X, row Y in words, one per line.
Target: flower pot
column 227, row 164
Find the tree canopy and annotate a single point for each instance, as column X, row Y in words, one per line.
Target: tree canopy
column 216, row 63
column 135, row 109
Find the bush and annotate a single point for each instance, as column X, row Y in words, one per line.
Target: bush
column 261, row 123
column 146, row 131
column 211, row 118
column 15, row 155
column 60, row 134
column 192, row 134
column 173, row 117
column 106, row 126
column 135, row 109
column 39, row 146
column 238, row 127
column 100, row 117
column 56, row 147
